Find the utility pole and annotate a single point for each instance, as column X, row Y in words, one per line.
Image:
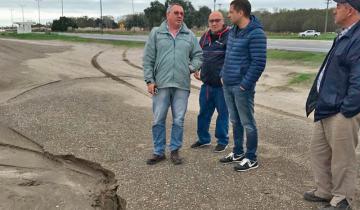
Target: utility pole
column 326, row 17
column 62, row 8
column 214, row 4
column 133, row 13
column 132, row 3
column 38, row 3
column 12, row 17
column 101, row 18
column 22, row 12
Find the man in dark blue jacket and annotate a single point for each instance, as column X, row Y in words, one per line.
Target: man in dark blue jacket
column 213, row 43
column 244, row 63
column 335, row 97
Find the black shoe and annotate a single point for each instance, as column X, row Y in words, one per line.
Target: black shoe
column 230, row 158
column 310, row 196
column 342, row 205
column 155, row 159
column 246, row 165
column 175, row 158
column 220, row 148
column 197, row 144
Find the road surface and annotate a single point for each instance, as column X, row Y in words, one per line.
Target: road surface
column 282, row 44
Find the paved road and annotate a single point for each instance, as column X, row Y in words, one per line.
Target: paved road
column 283, row 44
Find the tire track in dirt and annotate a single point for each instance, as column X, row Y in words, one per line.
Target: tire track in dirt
column 59, row 81
column 95, row 63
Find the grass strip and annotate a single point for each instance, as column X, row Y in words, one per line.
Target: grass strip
column 302, row 79
column 53, row 36
column 301, row 58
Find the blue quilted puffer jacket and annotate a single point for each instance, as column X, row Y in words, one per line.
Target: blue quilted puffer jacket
column 245, row 57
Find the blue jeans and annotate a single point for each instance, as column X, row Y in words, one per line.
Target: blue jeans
column 178, row 100
column 241, row 108
column 212, row 98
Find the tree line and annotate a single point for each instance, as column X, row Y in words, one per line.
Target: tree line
column 64, row 23
column 281, row 20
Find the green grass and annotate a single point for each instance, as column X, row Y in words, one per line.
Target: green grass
column 302, row 78
column 52, row 36
column 297, row 57
column 327, row 36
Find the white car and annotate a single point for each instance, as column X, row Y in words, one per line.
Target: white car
column 311, row 33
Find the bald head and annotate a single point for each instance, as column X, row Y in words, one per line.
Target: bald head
column 216, row 14
column 216, row 21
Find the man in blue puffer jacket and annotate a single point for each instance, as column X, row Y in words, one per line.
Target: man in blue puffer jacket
column 213, row 44
column 244, row 63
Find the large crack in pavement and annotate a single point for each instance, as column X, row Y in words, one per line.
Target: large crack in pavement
column 32, row 178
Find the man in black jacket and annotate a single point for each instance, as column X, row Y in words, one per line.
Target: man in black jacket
column 335, row 97
column 213, row 43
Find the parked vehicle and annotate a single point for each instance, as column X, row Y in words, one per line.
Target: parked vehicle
column 311, row 33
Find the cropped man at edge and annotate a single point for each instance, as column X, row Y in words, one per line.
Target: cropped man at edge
column 335, row 97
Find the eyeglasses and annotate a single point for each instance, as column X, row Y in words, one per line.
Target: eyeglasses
column 179, row 13
column 214, row 21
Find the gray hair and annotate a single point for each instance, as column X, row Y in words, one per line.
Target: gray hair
column 168, row 10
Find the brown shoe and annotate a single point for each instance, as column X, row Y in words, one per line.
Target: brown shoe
column 175, row 158
column 155, row 159
column 310, row 196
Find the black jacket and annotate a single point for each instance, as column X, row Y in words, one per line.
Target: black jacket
column 214, row 48
column 340, row 86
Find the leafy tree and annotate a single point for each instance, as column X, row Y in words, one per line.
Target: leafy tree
column 201, row 16
column 136, row 20
column 109, row 22
column 63, row 24
column 155, row 14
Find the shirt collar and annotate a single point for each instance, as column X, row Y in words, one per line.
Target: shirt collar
column 167, row 26
column 345, row 30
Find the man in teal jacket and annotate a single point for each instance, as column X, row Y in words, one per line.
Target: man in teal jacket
column 171, row 54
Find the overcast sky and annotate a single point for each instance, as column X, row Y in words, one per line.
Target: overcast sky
column 51, row 9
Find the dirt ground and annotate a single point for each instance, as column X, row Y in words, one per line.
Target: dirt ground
column 89, row 101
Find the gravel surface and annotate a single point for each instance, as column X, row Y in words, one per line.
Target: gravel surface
column 101, row 120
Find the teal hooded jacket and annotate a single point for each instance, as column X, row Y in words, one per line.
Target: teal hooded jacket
column 167, row 61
